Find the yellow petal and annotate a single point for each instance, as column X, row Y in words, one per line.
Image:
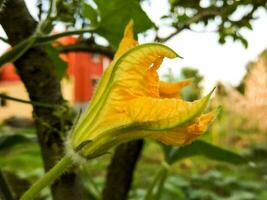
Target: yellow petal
column 127, row 41
column 178, row 136
column 172, row 90
column 186, row 134
column 163, row 114
column 135, row 75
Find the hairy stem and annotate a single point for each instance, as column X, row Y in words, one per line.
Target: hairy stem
column 48, row 178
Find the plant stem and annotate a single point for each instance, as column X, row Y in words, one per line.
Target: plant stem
column 50, row 38
column 51, row 7
column 157, row 177
column 4, row 188
column 48, row 178
column 39, row 104
column 157, row 184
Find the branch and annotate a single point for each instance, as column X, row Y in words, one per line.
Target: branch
column 162, row 40
column 5, row 40
column 18, row 50
column 195, row 19
column 120, row 172
column 49, row 38
column 39, row 104
column 93, row 48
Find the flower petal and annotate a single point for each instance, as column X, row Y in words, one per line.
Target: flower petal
column 163, row 114
column 186, row 134
column 135, row 75
column 172, row 90
column 127, row 41
column 178, row 136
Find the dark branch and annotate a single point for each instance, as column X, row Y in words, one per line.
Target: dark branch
column 93, row 48
column 50, row 38
column 121, row 170
column 5, row 40
column 195, row 19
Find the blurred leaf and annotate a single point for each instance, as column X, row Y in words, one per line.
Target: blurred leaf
column 116, row 14
column 7, row 141
column 22, row 158
column 90, row 13
column 244, row 42
column 172, row 192
column 205, row 149
column 60, row 65
column 202, row 194
column 17, row 51
column 243, row 195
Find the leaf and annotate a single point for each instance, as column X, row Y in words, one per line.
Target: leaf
column 90, row 13
column 17, row 51
column 7, row 141
column 205, row 149
column 114, row 15
column 60, row 65
column 243, row 41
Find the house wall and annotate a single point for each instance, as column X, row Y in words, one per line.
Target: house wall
column 13, row 108
column 16, row 89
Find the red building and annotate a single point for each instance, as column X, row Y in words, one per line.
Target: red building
column 85, row 69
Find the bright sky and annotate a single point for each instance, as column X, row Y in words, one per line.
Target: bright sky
column 202, row 51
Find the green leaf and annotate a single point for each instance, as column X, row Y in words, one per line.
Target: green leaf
column 205, row 149
column 90, row 13
column 114, row 16
column 7, row 141
column 61, row 65
column 17, row 51
column 243, row 41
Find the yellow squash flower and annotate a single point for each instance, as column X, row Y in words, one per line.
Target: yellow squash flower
column 131, row 102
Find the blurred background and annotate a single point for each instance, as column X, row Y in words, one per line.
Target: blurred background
column 223, row 43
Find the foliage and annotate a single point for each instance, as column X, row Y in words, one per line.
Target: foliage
column 111, row 25
column 202, row 148
column 54, row 54
column 194, row 91
column 227, row 15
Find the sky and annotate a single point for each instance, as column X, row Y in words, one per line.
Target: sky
column 214, row 61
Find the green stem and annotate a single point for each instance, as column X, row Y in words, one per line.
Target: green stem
column 149, row 193
column 50, row 38
column 51, row 7
column 158, row 182
column 48, row 178
column 161, row 184
column 4, row 188
column 39, row 104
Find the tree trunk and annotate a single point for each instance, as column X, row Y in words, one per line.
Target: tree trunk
column 37, row 72
column 121, row 170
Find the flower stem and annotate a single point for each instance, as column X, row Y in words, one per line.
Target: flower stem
column 48, row 178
